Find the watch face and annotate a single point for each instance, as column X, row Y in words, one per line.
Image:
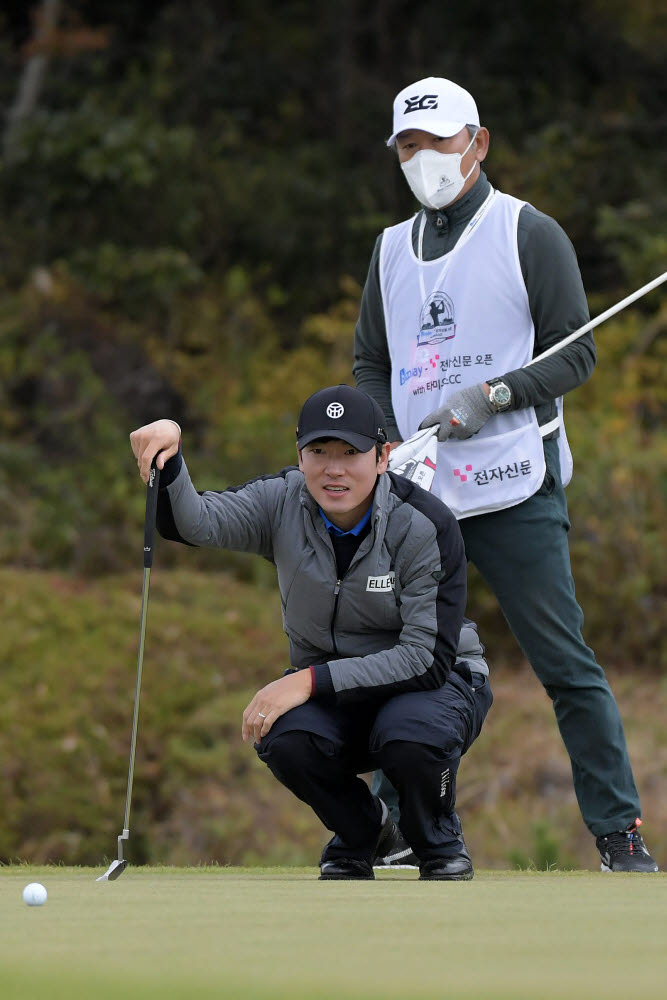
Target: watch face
column 501, row 395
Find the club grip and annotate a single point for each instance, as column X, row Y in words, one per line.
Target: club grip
column 151, row 512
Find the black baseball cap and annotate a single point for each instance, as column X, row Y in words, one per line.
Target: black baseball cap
column 343, row 413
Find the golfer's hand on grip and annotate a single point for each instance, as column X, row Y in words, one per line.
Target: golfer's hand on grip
column 160, row 438
column 274, row 700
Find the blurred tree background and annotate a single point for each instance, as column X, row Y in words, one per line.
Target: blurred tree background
column 190, row 197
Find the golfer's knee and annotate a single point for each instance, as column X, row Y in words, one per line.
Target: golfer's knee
column 288, row 753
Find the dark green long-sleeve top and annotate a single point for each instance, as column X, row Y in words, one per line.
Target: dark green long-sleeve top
column 555, row 295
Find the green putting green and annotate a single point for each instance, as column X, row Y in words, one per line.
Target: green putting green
column 172, row 933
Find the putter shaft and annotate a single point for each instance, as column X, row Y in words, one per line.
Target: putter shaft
column 135, row 717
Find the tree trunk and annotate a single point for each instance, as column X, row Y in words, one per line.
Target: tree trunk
column 31, row 78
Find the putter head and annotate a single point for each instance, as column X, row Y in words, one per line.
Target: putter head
column 115, row 870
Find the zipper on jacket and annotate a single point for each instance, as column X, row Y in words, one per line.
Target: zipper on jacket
column 333, row 617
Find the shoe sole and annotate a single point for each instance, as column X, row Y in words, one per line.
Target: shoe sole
column 466, row 877
column 629, row 871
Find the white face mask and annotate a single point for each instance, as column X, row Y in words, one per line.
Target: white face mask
column 435, row 178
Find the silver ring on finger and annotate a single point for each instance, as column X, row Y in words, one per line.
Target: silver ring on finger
column 261, row 715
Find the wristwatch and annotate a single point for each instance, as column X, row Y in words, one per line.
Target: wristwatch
column 500, row 395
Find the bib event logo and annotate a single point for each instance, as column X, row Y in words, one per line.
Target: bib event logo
column 436, row 320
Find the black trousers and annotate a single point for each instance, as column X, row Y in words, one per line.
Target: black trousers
column 417, row 739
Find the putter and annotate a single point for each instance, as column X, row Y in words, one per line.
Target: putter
column 116, row 868
column 415, row 458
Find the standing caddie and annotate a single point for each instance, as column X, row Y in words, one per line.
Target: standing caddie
column 458, row 299
column 372, row 577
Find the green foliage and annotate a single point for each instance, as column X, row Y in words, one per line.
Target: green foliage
column 64, row 497
column 635, row 233
column 85, row 177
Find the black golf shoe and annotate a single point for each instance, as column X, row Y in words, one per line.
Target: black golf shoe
column 625, row 851
column 349, row 868
column 457, row 868
column 345, row 868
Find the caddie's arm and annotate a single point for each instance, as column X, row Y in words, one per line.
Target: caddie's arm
column 372, row 364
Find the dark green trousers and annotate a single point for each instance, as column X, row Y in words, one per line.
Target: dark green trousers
column 522, row 553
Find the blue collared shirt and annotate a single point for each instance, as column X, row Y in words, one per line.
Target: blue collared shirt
column 353, row 531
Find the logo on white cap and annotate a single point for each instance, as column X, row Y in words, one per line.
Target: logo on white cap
column 428, row 101
column 335, row 410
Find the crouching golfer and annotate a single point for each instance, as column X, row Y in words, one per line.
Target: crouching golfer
column 372, row 577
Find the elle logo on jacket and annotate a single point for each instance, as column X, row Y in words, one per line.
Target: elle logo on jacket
column 382, row 583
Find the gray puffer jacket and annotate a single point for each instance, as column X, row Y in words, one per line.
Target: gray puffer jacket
column 391, row 625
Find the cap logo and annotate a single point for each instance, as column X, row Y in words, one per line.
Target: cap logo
column 426, row 103
column 335, row 410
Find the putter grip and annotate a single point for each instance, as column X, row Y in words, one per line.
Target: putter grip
column 151, row 511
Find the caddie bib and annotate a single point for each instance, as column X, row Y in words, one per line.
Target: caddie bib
column 455, row 322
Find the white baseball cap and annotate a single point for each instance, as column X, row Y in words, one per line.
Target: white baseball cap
column 434, row 105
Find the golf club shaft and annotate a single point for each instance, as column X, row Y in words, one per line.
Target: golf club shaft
column 137, row 693
column 599, row 319
column 149, row 545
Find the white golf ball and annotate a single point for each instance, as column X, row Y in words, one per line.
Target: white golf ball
column 34, row 894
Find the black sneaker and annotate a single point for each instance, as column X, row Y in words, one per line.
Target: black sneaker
column 625, row 851
column 393, row 850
